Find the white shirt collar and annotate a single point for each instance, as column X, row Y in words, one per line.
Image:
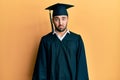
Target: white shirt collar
column 61, row 38
column 54, row 32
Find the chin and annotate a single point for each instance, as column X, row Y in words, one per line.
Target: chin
column 62, row 30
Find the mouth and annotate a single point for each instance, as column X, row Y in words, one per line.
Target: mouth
column 60, row 26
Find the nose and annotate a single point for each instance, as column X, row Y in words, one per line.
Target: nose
column 60, row 22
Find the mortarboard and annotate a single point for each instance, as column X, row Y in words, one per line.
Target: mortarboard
column 58, row 9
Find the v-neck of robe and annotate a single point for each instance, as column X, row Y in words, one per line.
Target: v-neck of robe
column 65, row 37
column 65, row 51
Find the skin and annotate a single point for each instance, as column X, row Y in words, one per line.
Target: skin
column 60, row 22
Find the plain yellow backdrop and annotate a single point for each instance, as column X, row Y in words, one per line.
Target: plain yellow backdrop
column 23, row 22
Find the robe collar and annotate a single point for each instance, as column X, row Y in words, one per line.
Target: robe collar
column 68, row 31
column 61, row 38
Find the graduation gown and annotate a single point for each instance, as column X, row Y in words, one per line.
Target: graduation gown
column 61, row 60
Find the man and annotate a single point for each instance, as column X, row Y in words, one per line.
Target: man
column 61, row 54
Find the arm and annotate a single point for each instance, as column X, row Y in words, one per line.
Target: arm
column 81, row 72
column 40, row 70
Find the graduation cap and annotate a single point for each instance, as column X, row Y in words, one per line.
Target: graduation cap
column 58, row 9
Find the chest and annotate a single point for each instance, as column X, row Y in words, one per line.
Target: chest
column 56, row 47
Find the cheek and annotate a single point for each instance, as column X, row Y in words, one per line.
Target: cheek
column 56, row 23
column 65, row 22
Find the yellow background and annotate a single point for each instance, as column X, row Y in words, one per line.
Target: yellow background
column 23, row 22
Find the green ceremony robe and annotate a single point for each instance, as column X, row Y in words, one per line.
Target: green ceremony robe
column 61, row 60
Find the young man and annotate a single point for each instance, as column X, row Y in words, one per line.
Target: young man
column 61, row 54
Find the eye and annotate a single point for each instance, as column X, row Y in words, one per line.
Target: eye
column 63, row 18
column 56, row 19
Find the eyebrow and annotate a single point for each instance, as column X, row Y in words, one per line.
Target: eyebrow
column 61, row 17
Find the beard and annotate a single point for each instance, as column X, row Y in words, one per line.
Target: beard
column 60, row 29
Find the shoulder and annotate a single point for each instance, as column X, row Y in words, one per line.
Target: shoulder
column 75, row 35
column 47, row 37
column 79, row 39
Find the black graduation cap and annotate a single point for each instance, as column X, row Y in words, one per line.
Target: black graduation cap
column 58, row 9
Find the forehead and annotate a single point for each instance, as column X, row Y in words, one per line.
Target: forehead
column 60, row 16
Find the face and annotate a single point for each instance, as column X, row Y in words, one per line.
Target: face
column 60, row 22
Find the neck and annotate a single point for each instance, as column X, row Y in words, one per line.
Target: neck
column 61, row 33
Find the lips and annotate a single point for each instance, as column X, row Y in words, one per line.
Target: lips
column 60, row 26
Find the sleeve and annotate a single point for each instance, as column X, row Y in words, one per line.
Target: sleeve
column 81, row 72
column 40, row 70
